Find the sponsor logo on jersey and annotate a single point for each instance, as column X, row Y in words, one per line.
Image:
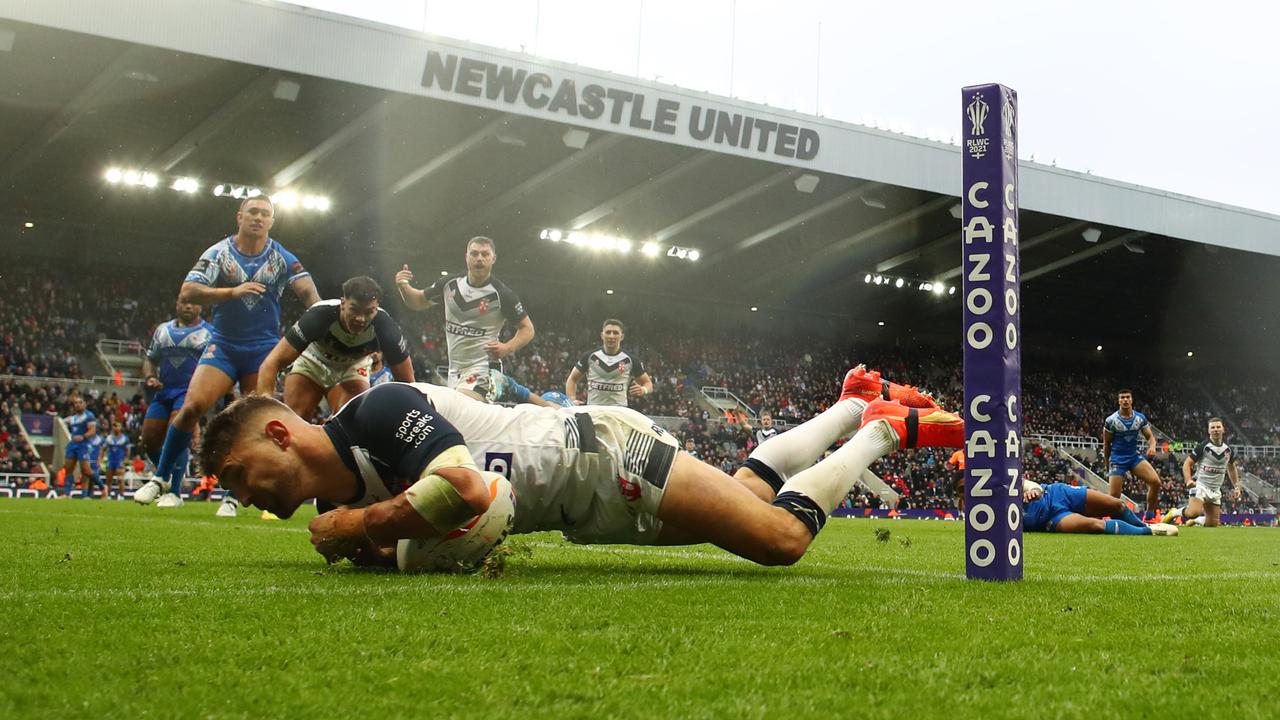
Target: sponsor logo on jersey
column 606, row 386
column 454, row 328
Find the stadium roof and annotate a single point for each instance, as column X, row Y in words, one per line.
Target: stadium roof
column 420, row 142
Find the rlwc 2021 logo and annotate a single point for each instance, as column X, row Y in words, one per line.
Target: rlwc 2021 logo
column 977, row 110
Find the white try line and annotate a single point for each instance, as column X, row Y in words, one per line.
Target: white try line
column 268, row 525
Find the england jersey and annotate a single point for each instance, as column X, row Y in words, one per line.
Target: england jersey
column 609, row 376
column 1125, row 433
column 319, row 332
column 252, row 320
column 473, row 317
column 765, row 433
column 175, row 351
column 1211, row 463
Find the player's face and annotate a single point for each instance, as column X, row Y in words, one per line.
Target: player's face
column 377, row 360
column 115, row 428
column 356, row 315
column 766, row 421
column 188, row 312
column 1126, row 401
column 1216, row 432
column 611, row 336
column 78, row 405
column 261, row 472
column 480, row 258
column 255, row 219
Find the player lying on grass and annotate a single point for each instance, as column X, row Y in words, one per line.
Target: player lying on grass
column 395, row 463
column 1062, row 508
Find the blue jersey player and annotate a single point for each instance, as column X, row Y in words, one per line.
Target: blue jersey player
column 243, row 277
column 82, row 424
column 1120, row 437
column 117, row 446
column 176, row 348
column 1061, row 508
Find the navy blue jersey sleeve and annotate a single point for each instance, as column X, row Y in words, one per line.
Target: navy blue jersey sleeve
column 583, row 363
column 435, row 291
column 1196, row 452
column 312, row 326
column 637, row 367
column 402, row 429
column 512, row 309
column 390, row 338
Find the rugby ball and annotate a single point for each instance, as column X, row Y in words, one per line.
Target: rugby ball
column 465, row 548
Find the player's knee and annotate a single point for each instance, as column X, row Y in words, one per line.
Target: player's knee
column 787, row 542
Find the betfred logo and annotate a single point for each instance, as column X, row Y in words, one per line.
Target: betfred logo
column 630, row 489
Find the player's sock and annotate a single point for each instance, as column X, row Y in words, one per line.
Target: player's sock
column 1115, row 527
column 1128, row 516
column 179, row 471
column 813, row 493
column 785, row 454
column 175, row 442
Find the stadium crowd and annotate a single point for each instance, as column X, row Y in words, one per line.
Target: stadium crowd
column 50, row 318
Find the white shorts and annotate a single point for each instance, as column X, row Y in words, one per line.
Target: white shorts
column 328, row 374
column 475, row 379
column 628, row 477
column 1211, row 495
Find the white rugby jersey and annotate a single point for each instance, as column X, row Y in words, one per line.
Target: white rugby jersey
column 1211, row 463
column 473, row 317
column 609, row 376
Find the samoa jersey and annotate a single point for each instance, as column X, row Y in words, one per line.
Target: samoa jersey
column 176, row 349
column 95, row 449
column 1211, row 463
column 78, row 424
column 117, row 448
column 1125, row 433
column 608, row 376
column 473, row 317
column 320, row 333
column 251, row 320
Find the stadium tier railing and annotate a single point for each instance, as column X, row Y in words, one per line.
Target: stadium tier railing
column 102, row 382
column 1076, row 441
column 723, row 399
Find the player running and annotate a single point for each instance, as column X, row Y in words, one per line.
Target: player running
column 243, row 277
column 330, row 349
column 176, row 347
column 611, row 374
column 1211, row 461
column 1120, row 433
column 477, row 306
column 395, row 460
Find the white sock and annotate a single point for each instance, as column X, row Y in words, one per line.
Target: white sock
column 828, row 482
column 796, row 449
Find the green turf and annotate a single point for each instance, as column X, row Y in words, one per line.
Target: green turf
column 114, row 610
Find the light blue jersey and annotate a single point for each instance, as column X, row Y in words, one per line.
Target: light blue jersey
column 251, row 321
column 175, row 350
column 1125, row 435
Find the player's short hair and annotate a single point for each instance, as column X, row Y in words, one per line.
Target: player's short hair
column 362, row 288
column 1124, row 391
column 225, row 428
column 1213, row 420
column 482, row 240
column 264, row 198
column 613, row 321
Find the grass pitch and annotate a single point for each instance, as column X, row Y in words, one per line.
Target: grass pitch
column 114, row 610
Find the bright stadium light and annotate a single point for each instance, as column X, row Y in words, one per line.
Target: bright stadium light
column 1099, row 348
column 650, row 249
column 927, row 287
column 1190, row 354
column 694, row 255
column 28, row 225
column 150, row 180
column 114, row 175
column 900, row 283
column 755, row 309
column 287, row 199
column 867, row 278
column 185, row 184
column 951, row 290
column 608, row 292
column 623, row 246
column 444, row 273
column 881, row 323
column 556, row 236
column 220, row 190
column 938, row 288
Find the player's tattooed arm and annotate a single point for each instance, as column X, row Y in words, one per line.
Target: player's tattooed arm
column 305, row 288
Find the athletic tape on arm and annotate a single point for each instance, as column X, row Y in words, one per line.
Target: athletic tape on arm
column 435, row 498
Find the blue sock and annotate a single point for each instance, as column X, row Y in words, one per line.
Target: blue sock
column 1127, row 515
column 68, row 483
column 176, row 441
column 1115, row 527
column 154, row 457
column 179, row 471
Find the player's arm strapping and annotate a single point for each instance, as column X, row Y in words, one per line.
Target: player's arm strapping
column 449, row 492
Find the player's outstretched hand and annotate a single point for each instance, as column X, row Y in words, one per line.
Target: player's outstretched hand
column 637, row 390
column 1236, row 493
column 338, row 534
column 246, row 288
column 404, row 276
column 1031, row 491
column 1151, row 452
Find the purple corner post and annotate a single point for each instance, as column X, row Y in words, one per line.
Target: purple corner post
column 992, row 334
